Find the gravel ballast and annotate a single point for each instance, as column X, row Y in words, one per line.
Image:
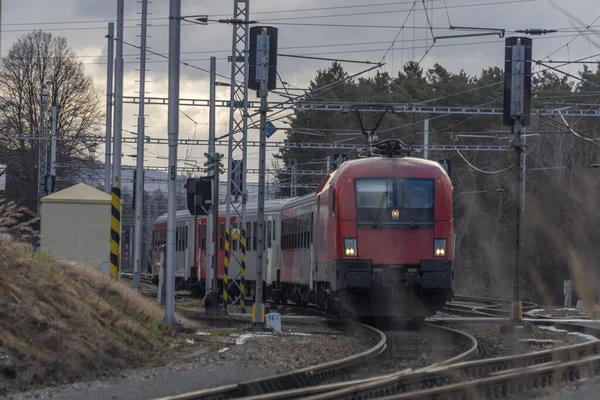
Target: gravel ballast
column 218, row 357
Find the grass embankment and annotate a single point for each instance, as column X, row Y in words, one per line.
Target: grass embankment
column 63, row 321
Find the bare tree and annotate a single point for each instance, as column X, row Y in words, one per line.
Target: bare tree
column 35, row 58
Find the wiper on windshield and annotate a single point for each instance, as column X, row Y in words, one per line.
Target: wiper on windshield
column 381, row 203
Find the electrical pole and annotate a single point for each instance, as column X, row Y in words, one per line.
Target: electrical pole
column 426, row 139
column 212, row 221
column 258, row 310
column 53, row 150
column 43, row 151
column 109, row 100
column 115, row 221
column 139, row 187
column 173, row 126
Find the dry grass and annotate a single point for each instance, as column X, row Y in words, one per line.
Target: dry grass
column 62, row 321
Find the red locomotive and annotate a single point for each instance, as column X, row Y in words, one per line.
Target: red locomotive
column 376, row 238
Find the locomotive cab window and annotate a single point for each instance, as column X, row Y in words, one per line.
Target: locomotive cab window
column 394, row 201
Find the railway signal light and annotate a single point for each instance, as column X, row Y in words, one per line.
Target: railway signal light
column 255, row 55
column 517, row 80
column 199, row 195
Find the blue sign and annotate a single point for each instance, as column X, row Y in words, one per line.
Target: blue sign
column 270, row 129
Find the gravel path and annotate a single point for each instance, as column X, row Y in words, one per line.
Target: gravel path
column 220, row 357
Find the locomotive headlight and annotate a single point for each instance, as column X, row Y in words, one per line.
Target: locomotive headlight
column 350, row 246
column 395, row 214
column 440, row 247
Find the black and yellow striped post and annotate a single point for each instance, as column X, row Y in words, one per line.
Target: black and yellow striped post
column 226, row 270
column 243, row 283
column 115, row 232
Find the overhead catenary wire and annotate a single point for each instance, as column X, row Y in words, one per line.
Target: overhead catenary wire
column 480, row 170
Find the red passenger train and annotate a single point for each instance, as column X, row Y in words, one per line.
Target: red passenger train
column 376, row 238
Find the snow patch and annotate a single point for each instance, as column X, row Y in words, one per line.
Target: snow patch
column 299, row 333
column 223, row 350
column 537, row 311
column 567, row 309
column 190, row 341
column 584, row 336
column 552, row 328
column 203, row 333
column 241, row 339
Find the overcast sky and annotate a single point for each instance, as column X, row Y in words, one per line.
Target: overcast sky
column 84, row 23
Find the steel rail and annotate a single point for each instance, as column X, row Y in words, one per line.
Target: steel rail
column 302, row 378
column 324, row 389
column 512, row 383
column 436, row 381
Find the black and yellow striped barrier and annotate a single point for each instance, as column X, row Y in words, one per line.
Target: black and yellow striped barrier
column 243, row 282
column 226, row 271
column 115, row 232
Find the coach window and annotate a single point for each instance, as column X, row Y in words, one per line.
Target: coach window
column 248, row 235
column 269, row 233
column 255, row 237
column 203, row 237
column 306, row 222
column 274, row 223
column 311, row 227
column 296, row 231
column 234, row 243
column 307, row 230
column 186, row 238
column 301, row 235
column 284, row 233
column 221, row 235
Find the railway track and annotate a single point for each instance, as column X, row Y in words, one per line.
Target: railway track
column 487, row 378
column 483, row 307
column 322, row 378
column 143, row 278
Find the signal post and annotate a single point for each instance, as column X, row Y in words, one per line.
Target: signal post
column 263, row 53
column 517, row 109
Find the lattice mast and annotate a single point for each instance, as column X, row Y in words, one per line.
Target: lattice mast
column 238, row 130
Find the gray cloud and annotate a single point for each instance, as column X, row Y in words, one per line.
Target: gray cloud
column 200, row 42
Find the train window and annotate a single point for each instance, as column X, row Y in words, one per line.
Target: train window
column 416, row 193
column 284, row 234
column 176, row 238
column 274, row 223
column 415, row 197
column 305, row 235
column 269, row 233
column 185, row 238
column 221, row 235
column 311, row 227
column 374, row 193
column 297, row 232
column 203, row 237
column 234, row 243
column 248, row 234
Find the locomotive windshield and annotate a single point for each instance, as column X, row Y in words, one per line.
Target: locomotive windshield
column 394, row 201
